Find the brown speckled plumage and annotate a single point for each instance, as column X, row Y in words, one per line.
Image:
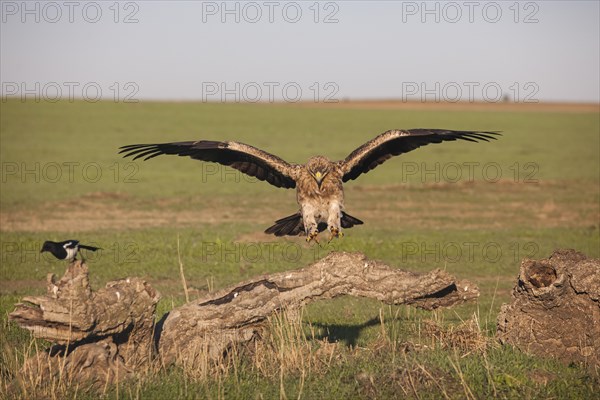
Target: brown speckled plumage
column 318, row 183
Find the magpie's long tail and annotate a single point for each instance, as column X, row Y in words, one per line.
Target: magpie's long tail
column 293, row 225
column 92, row 248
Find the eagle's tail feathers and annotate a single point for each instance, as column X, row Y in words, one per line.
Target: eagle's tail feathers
column 348, row 221
column 293, row 225
column 290, row 225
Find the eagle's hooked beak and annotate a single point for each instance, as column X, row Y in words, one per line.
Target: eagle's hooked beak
column 319, row 177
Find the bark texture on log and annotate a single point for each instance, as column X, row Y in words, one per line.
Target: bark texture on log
column 96, row 333
column 96, row 365
column 556, row 308
column 209, row 326
column 103, row 336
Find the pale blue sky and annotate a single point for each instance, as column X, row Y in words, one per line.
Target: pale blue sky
column 380, row 49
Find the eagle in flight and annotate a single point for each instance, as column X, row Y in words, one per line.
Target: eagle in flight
column 319, row 182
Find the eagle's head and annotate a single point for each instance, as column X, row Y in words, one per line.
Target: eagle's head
column 318, row 167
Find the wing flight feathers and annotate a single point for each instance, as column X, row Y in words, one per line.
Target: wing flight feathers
column 395, row 142
column 245, row 158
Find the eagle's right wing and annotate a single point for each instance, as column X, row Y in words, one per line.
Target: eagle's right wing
column 245, row 158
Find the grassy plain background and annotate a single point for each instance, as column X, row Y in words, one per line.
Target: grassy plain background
column 547, row 197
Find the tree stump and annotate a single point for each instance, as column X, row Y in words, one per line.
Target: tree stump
column 99, row 336
column 556, row 308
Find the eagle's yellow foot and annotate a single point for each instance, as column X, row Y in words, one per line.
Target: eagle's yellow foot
column 312, row 236
column 335, row 233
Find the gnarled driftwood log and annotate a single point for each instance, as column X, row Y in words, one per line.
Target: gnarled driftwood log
column 102, row 336
column 556, row 308
column 208, row 326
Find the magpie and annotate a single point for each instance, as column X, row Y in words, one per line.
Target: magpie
column 66, row 250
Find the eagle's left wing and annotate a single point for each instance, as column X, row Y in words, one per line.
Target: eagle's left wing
column 243, row 157
column 396, row 142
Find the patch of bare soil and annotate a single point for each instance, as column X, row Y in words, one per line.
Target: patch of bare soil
column 96, row 215
column 469, row 205
column 475, row 205
column 99, row 211
column 18, row 286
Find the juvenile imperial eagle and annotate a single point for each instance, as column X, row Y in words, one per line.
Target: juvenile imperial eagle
column 318, row 183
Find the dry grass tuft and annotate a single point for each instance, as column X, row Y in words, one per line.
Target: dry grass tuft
column 467, row 337
column 287, row 348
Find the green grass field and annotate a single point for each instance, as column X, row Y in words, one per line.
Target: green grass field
column 474, row 209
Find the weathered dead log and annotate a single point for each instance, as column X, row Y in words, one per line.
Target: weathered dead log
column 96, row 333
column 556, row 308
column 102, row 336
column 207, row 327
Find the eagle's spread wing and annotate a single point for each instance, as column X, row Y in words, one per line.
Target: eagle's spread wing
column 245, row 158
column 395, row 142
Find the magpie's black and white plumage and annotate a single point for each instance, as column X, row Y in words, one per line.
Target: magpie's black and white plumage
column 318, row 183
column 66, row 250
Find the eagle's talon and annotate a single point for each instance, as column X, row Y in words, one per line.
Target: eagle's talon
column 335, row 233
column 312, row 236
